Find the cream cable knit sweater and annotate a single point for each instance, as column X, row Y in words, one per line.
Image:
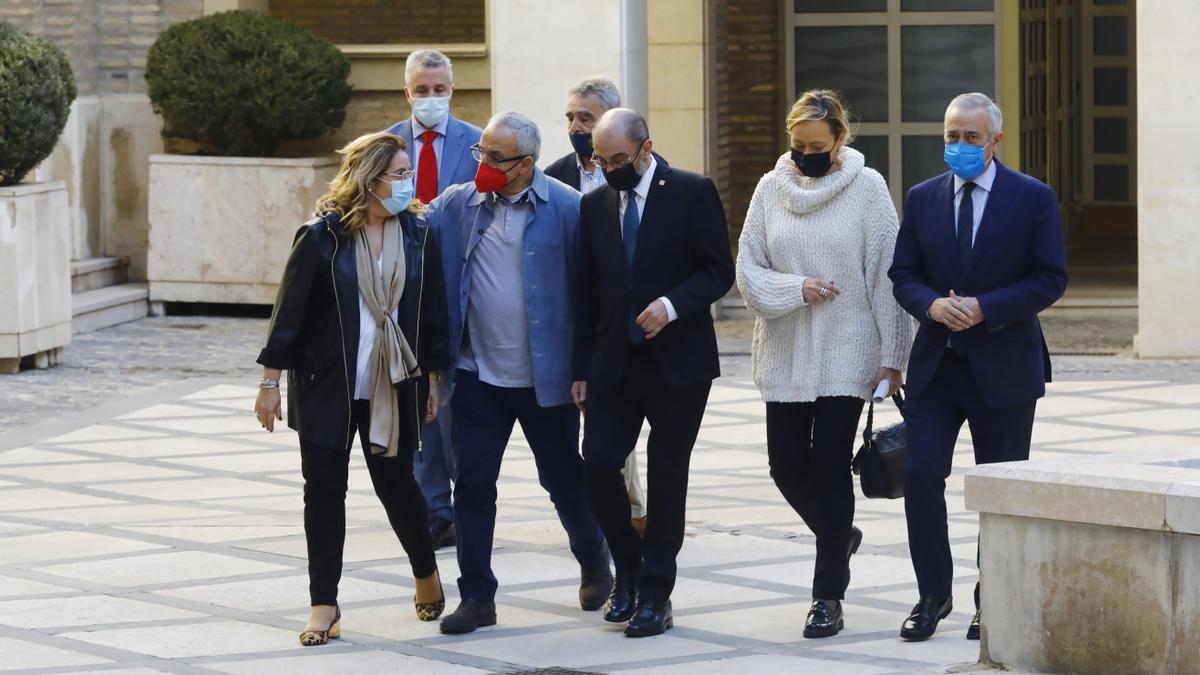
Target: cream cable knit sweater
column 842, row 228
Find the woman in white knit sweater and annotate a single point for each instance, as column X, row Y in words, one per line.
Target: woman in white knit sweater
column 812, row 266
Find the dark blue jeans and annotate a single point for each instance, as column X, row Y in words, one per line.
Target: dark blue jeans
column 483, row 418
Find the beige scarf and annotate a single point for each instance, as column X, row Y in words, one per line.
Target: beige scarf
column 392, row 360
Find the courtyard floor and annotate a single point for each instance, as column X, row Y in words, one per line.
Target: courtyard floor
column 147, row 524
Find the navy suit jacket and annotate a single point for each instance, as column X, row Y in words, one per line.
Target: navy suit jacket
column 1017, row 268
column 682, row 253
column 457, row 165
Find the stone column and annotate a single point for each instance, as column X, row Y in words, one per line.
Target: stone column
column 678, row 81
column 540, row 49
column 1168, row 92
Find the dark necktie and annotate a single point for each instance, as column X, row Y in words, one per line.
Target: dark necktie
column 629, row 233
column 966, row 222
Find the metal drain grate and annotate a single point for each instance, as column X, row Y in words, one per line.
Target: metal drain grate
column 555, row 671
column 1084, row 352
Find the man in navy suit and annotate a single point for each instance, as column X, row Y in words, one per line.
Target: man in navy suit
column 653, row 256
column 979, row 254
column 439, row 146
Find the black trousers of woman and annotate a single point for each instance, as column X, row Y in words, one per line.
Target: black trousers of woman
column 326, row 471
column 810, row 446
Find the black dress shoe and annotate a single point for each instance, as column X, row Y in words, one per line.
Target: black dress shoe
column 651, row 618
column 623, row 601
column 973, row 629
column 921, row 624
column 595, row 585
column 443, row 533
column 471, row 614
column 824, row 619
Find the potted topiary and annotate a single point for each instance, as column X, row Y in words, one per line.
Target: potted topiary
column 36, row 91
column 236, row 86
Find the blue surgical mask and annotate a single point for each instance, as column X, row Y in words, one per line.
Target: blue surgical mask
column 402, row 195
column 964, row 159
column 431, row 110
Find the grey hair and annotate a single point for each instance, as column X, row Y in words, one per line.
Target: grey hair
column 630, row 123
column 529, row 139
column 600, row 87
column 977, row 101
column 428, row 58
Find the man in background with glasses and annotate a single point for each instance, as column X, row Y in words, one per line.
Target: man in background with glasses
column 508, row 246
column 654, row 256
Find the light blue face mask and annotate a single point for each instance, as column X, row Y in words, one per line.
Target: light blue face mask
column 964, row 159
column 431, row 110
column 401, row 197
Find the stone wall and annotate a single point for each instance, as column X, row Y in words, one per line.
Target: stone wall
column 750, row 105
column 353, row 22
column 106, row 40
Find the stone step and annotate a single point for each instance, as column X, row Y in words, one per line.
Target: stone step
column 109, row 306
column 92, row 273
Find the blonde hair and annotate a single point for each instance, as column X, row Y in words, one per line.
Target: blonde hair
column 363, row 160
column 822, row 104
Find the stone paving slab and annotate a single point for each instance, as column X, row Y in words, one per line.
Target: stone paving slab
column 161, row 532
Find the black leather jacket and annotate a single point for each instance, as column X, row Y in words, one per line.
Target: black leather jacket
column 314, row 329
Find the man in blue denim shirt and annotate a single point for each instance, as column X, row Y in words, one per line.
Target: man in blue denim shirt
column 508, row 245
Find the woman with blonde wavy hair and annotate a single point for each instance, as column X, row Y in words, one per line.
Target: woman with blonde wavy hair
column 360, row 326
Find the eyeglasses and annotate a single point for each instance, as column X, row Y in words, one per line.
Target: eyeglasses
column 494, row 157
column 403, row 175
column 613, row 165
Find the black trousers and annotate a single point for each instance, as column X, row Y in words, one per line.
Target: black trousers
column 611, row 427
column 809, row 446
column 933, row 421
column 326, row 472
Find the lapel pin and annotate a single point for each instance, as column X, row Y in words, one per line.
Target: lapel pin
column 662, row 183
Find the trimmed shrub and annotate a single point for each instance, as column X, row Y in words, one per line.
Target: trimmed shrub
column 243, row 83
column 37, row 88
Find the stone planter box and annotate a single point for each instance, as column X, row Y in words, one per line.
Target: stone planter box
column 221, row 227
column 1091, row 564
column 35, row 273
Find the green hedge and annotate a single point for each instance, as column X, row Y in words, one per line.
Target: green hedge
column 36, row 91
column 243, row 83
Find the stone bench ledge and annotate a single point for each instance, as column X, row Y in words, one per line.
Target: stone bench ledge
column 1147, row 491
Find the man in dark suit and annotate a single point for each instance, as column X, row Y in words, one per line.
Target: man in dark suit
column 979, row 254
column 439, row 146
column 586, row 103
column 654, row 255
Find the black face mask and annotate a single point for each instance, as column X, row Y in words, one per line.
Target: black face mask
column 583, row 145
column 813, row 164
column 626, row 177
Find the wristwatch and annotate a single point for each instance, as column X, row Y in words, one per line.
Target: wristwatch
column 435, row 376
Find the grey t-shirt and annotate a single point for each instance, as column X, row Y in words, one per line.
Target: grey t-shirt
column 497, row 345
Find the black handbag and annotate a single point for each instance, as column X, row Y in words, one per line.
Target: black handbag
column 879, row 463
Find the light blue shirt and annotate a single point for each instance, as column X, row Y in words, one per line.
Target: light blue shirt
column 497, row 347
column 979, row 196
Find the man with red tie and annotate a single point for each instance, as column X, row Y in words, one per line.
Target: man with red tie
column 440, row 150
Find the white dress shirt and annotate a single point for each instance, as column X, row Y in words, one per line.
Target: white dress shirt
column 640, row 191
column 418, row 129
column 979, row 197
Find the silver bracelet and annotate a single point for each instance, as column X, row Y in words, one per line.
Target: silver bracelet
column 268, row 383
